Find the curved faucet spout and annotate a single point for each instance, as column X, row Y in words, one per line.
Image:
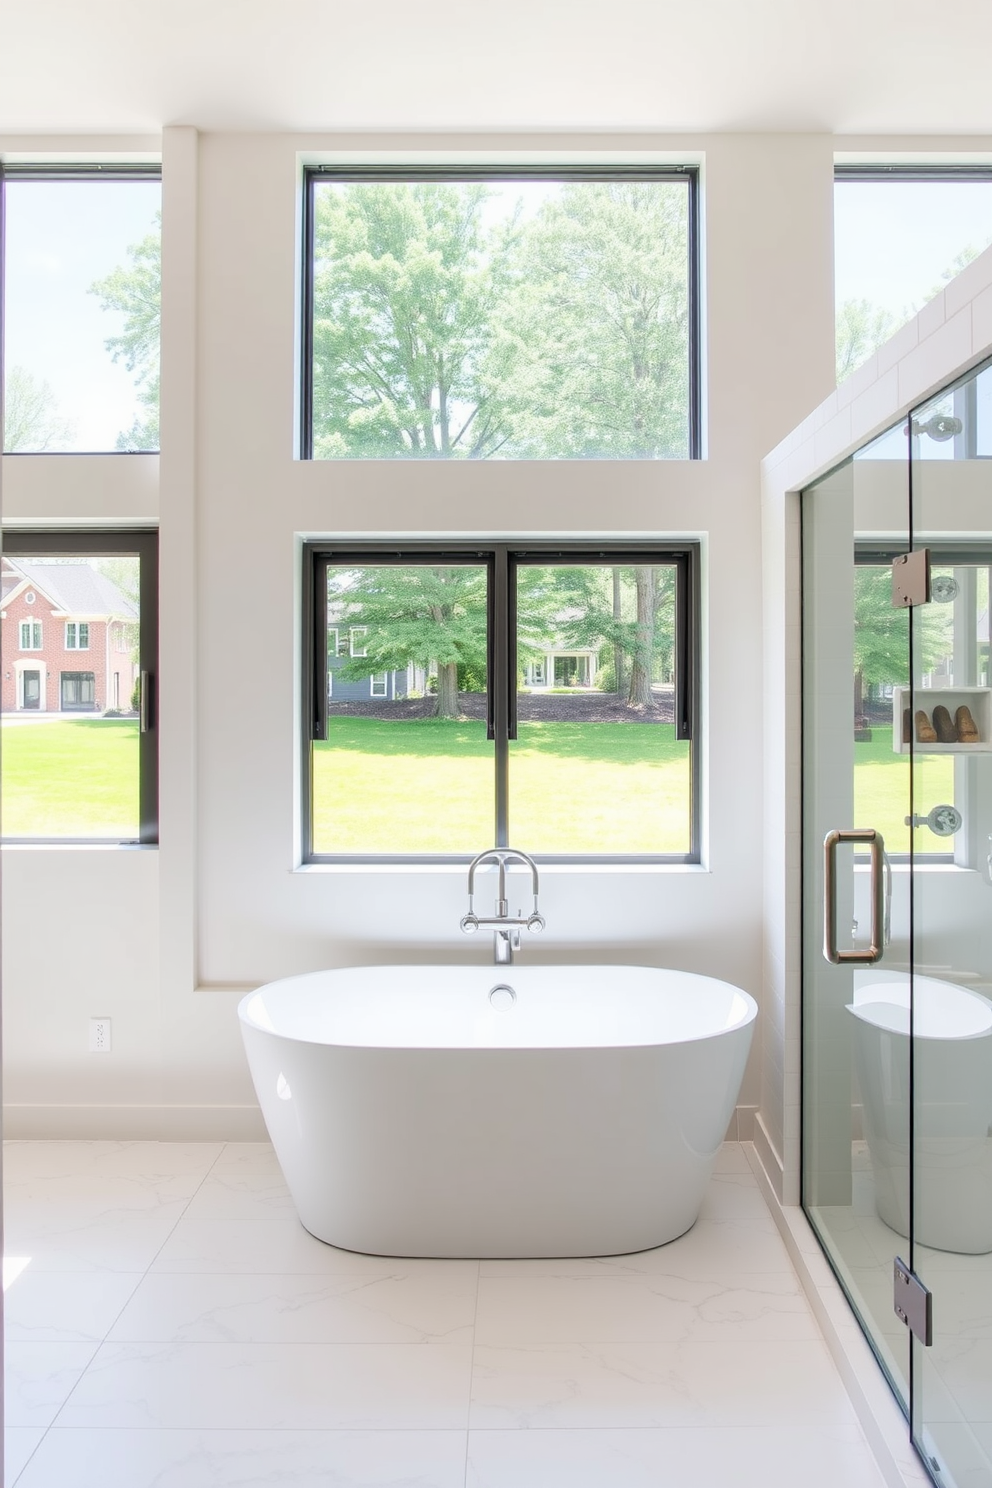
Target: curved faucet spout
column 506, row 927
column 502, row 856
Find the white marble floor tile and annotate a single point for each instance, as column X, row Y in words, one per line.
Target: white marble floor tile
column 661, row 1385
column 18, row 1444
column 982, row 1431
column 174, row 1168
column 846, row 1232
column 645, row 1308
column 248, row 1459
column 712, row 1248
column 89, row 1237
column 963, row 1304
column 946, row 1262
column 279, row 1246
column 731, row 1159
column 965, row 1366
column 735, row 1196
column 39, row 1378
column 432, row 1306
column 750, row 1457
column 250, row 1159
column 239, row 1195
column 243, row 1352
column 960, row 1452
column 873, row 1289
column 52, row 1306
column 273, row 1386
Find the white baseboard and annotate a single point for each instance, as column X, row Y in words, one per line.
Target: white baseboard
column 877, row 1409
column 769, row 1157
column 135, row 1123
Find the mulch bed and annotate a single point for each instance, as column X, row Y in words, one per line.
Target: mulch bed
column 559, row 707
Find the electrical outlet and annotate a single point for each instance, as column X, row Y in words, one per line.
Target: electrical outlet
column 99, row 1035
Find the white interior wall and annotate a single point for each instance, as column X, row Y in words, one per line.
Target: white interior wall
column 223, row 897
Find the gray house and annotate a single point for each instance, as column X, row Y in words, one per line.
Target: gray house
column 345, row 641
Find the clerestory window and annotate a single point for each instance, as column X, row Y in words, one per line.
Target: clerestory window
column 535, row 693
column 901, row 233
column 543, row 313
column 81, row 307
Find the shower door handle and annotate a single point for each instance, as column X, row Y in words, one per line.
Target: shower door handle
column 875, row 842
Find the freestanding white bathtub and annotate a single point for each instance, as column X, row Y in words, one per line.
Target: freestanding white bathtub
column 497, row 1111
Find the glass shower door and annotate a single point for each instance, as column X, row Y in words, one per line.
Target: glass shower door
column 857, row 775
column 951, row 473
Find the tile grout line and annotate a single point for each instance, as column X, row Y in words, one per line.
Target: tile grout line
column 137, row 1284
column 471, row 1369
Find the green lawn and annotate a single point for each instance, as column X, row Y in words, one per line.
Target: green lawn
column 881, row 792
column 574, row 787
column 74, row 778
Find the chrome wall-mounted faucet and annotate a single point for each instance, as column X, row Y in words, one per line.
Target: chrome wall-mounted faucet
column 505, row 927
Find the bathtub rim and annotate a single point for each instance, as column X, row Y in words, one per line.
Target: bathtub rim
column 246, row 1020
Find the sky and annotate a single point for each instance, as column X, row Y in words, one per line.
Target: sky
column 61, row 237
column 894, row 240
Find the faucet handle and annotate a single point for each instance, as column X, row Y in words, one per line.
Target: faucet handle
column 469, row 923
column 536, row 923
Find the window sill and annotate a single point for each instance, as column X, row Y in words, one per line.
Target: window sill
column 458, row 870
column 71, row 845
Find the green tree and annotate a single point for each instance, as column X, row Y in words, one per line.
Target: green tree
column 881, row 632
column 134, row 290
column 408, row 284
column 597, row 319
column 417, row 616
column 861, row 328
column 31, row 418
column 628, row 611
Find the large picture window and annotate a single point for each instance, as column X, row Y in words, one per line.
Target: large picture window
column 540, row 314
column 535, row 693
column 79, row 755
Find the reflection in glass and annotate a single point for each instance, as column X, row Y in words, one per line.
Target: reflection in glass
column 596, row 766
column 855, row 646
column 81, row 315
column 69, row 697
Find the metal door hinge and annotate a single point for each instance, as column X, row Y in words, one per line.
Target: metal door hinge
column 911, row 579
column 912, row 1302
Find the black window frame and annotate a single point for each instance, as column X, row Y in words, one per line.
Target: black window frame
column 142, row 543
column 69, row 172
column 501, row 560
column 461, row 173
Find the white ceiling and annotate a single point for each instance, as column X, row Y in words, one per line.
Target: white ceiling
column 848, row 66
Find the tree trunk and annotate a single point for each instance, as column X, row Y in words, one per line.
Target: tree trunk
column 447, row 690
column 617, row 646
column 639, row 695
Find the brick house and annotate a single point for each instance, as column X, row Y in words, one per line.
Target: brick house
column 67, row 639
